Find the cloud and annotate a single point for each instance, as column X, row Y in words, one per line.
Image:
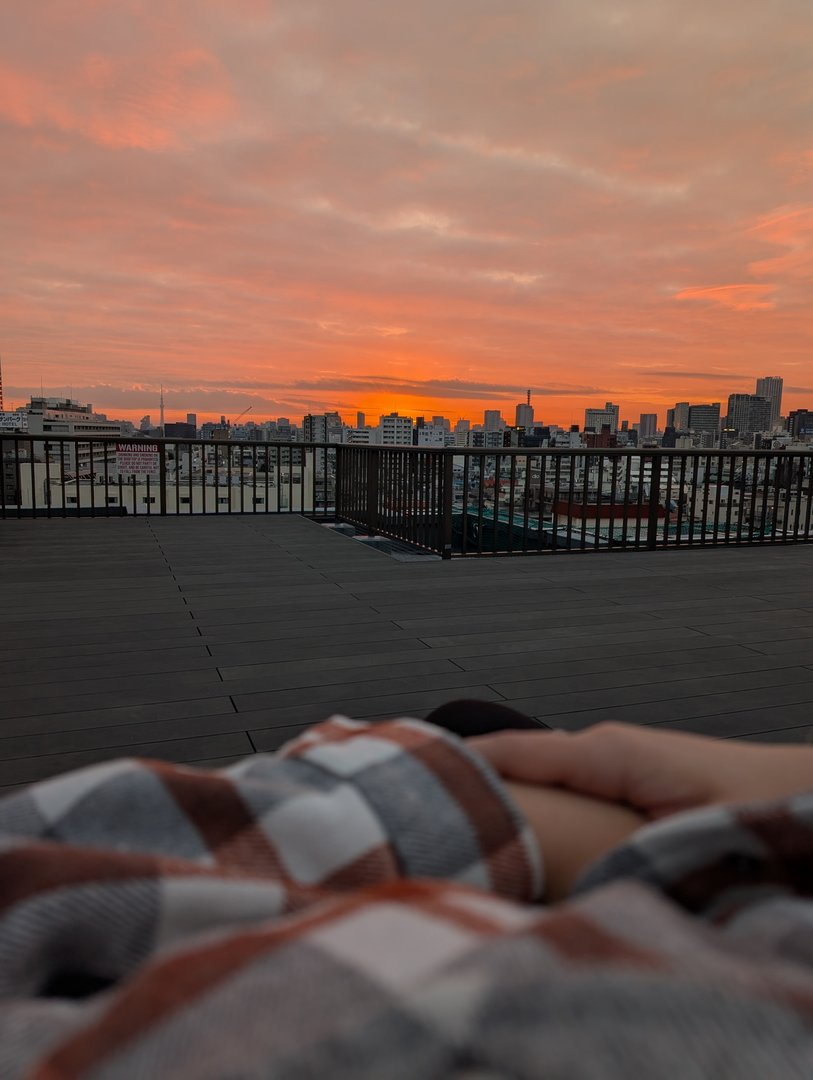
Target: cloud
column 461, row 202
column 735, row 297
column 691, row 376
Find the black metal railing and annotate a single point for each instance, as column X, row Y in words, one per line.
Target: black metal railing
column 48, row 475
column 453, row 501
column 400, row 492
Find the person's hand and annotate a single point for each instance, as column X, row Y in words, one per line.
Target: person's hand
column 653, row 772
column 572, row 830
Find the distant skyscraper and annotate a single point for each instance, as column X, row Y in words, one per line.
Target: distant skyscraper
column 704, row 418
column 770, row 388
column 680, row 419
column 648, row 425
column 360, row 420
column 192, row 419
column 524, row 415
column 748, row 413
column 800, row 423
column 597, row 418
column 492, row 421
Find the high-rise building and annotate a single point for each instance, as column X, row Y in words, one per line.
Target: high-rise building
column 492, row 421
column 322, row 427
column 524, row 415
column 192, row 419
column 648, row 425
column 680, row 418
column 770, row 388
column 704, row 418
column 800, row 423
column 748, row 413
column 595, row 419
column 361, row 420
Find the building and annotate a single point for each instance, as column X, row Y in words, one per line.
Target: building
column 648, row 425
column 704, row 418
column 524, row 415
column 595, row 419
column 359, row 436
column 680, row 416
column 770, row 388
column 492, row 421
column 602, row 440
column 461, row 432
column 14, row 421
column 429, row 435
column 800, row 423
column 64, row 416
column 322, row 427
column 395, row 430
column 180, row 431
column 748, row 413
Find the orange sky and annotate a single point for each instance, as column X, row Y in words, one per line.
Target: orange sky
column 341, row 204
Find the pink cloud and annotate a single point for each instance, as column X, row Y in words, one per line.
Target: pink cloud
column 242, row 190
column 735, row 297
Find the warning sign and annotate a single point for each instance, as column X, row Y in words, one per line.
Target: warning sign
column 138, row 459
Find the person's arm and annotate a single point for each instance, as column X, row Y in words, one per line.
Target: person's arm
column 652, row 771
column 729, row 822
column 573, row 831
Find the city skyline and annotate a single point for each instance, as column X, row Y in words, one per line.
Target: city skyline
column 683, row 417
column 319, row 208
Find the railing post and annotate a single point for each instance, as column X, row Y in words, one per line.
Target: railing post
column 162, row 478
column 654, row 501
column 447, row 499
column 337, row 483
column 373, row 469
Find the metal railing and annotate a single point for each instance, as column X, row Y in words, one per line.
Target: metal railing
column 453, row 502
column 532, row 502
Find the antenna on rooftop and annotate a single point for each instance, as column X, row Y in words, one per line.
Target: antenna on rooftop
column 161, row 421
column 1, row 384
column 529, row 396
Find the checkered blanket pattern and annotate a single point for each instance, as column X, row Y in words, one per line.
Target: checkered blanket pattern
column 363, row 903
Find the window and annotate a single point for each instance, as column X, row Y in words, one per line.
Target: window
column 112, row 500
column 185, row 500
column 71, row 499
column 148, row 499
column 223, row 500
column 259, row 502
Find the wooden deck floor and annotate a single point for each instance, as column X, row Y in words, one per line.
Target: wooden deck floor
column 203, row 640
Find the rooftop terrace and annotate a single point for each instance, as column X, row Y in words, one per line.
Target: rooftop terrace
column 201, row 640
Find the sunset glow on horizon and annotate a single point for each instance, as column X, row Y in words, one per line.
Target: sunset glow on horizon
column 306, row 205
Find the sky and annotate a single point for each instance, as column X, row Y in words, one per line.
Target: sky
column 309, row 205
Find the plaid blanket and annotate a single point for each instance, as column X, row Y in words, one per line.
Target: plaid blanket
column 366, row 903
